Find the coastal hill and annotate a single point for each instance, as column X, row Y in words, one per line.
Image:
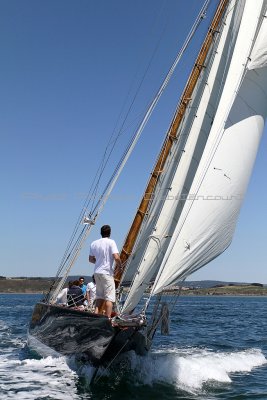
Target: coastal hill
column 200, row 288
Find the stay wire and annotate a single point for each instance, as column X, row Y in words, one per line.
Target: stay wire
column 104, row 162
column 136, row 93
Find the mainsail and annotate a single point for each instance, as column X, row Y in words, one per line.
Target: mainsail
column 198, row 197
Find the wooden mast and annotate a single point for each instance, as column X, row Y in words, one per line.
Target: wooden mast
column 172, row 135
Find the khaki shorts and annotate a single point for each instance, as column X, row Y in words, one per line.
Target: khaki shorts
column 105, row 287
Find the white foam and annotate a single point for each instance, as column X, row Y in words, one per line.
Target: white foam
column 192, row 368
column 30, row 379
column 187, row 369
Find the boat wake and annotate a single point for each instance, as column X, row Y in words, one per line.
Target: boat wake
column 190, row 370
column 187, row 370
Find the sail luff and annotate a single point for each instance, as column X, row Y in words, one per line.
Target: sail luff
column 170, row 138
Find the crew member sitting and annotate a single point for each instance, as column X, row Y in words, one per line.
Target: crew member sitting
column 75, row 295
column 82, row 285
column 62, row 297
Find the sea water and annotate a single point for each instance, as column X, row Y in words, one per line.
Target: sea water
column 217, row 349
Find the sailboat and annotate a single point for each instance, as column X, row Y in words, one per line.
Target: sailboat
column 189, row 210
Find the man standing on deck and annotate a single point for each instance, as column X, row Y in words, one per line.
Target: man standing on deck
column 103, row 252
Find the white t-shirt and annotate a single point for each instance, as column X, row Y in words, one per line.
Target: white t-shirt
column 91, row 288
column 103, row 250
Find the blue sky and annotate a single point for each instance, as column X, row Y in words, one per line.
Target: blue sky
column 69, row 70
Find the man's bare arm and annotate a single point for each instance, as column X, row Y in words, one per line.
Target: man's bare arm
column 117, row 260
column 92, row 259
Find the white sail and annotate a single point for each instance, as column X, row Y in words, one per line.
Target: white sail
column 163, row 215
column 149, row 234
column 207, row 224
column 169, row 249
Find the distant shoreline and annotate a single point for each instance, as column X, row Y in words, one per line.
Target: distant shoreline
column 40, row 286
column 172, row 293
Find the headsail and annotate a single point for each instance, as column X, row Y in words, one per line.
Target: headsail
column 213, row 171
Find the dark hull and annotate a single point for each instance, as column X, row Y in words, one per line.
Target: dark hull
column 73, row 332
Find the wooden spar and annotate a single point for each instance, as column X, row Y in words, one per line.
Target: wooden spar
column 172, row 135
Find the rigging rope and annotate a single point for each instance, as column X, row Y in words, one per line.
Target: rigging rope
column 105, row 161
column 91, row 196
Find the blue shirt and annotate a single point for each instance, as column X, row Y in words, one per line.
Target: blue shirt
column 83, row 287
